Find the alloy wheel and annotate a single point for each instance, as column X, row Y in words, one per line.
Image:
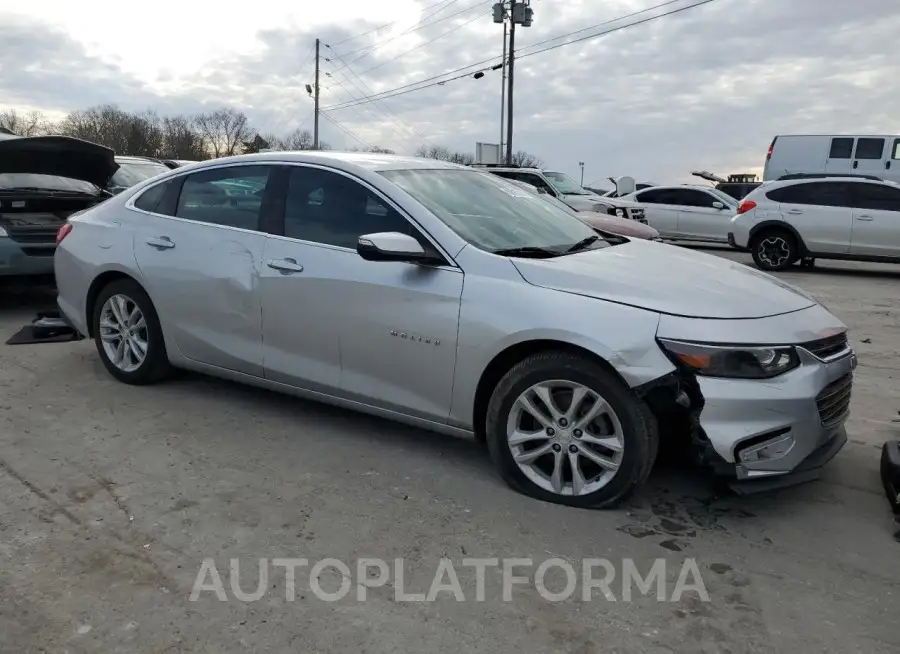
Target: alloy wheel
column 123, row 332
column 565, row 438
column 774, row 251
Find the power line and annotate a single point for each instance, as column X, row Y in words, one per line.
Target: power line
column 390, row 116
column 403, row 90
column 422, row 24
column 380, row 27
column 422, row 45
column 345, row 130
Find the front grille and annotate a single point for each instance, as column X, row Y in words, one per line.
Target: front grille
column 833, row 402
column 827, row 347
column 638, row 215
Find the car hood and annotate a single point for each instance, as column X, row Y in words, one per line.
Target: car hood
column 61, row 156
column 616, row 225
column 667, row 279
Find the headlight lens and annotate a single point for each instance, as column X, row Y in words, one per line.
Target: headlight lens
column 732, row 361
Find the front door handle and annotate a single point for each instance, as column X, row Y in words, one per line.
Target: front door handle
column 795, row 212
column 285, row 266
column 864, row 217
column 161, row 243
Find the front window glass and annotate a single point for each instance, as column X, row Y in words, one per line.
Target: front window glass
column 490, row 213
column 565, row 184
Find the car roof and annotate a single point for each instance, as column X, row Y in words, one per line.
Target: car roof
column 371, row 161
column 130, row 159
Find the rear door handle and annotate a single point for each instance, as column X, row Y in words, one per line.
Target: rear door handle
column 866, row 218
column 795, row 211
column 161, row 243
column 285, row 266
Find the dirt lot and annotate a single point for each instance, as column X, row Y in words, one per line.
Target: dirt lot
column 113, row 497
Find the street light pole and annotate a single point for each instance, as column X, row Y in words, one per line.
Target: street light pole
column 519, row 13
column 581, row 163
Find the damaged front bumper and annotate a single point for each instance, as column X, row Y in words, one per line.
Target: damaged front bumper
column 770, row 433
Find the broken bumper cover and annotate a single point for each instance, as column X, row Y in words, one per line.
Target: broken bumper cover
column 775, row 432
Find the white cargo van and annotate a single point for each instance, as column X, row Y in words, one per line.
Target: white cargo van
column 840, row 154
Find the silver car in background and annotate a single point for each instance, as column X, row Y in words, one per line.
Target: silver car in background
column 449, row 299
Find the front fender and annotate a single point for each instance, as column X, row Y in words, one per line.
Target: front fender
column 498, row 314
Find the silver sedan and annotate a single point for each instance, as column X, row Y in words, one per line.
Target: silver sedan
column 440, row 296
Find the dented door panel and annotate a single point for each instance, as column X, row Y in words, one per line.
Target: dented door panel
column 206, row 289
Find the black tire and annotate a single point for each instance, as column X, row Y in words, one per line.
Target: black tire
column 641, row 441
column 761, row 249
column 155, row 367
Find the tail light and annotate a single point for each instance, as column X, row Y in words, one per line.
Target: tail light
column 745, row 206
column 62, row 232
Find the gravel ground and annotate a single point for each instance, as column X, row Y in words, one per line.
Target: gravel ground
column 114, row 496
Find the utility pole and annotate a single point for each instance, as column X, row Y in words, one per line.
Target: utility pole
column 503, row 91
column 520, row 13
column 316, row 100
column 581, row 163
column 509, row 101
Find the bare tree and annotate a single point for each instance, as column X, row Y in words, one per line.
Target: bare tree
column 375, row 149
column 526, row 160
column 445, row 154
column 180, row 140
column 224, row 131
column 32, row 123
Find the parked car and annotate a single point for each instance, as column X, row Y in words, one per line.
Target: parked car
column 864, row 155
column 176, row 163
column 737, row 186
column 810, row 217
column 686, row 212
column 43, row 181
column 461, row 307
column 556, row 184
column 605, row 222
column 133, row 170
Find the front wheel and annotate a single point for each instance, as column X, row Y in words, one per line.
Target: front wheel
column 774, row 250
column 563, row 429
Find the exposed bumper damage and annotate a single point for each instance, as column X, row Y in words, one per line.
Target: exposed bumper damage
column 761, row 434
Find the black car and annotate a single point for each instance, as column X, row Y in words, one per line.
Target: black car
column 43, row 181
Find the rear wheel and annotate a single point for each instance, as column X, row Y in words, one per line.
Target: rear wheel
column 127, row 334
column 563, row 429
column 774, row 250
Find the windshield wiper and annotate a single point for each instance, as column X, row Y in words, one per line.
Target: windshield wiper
column 528, row 251
column 583, row 244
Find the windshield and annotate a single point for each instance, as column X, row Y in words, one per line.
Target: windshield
column 134, row 172
column 726, row 199
column 489, row 212
column 9, row 181
column 565, row 184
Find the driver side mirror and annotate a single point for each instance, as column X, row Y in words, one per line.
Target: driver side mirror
column 393, row 246
column 718, row 205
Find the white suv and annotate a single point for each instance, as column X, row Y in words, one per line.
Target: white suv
column 805, row 217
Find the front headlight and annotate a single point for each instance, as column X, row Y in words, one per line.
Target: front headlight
column 732, row 361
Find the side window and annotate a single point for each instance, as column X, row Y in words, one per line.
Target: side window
column 896, row 149
column 876, row 196
column 825, row 194
column 326, row 207
column 231, row 197
column 537, row 181
column 655, row 196
column 869, row 148
column 690, row 198
column 149, row 200
column 841, row 148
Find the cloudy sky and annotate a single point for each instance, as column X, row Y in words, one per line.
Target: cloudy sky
column 706, row 88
